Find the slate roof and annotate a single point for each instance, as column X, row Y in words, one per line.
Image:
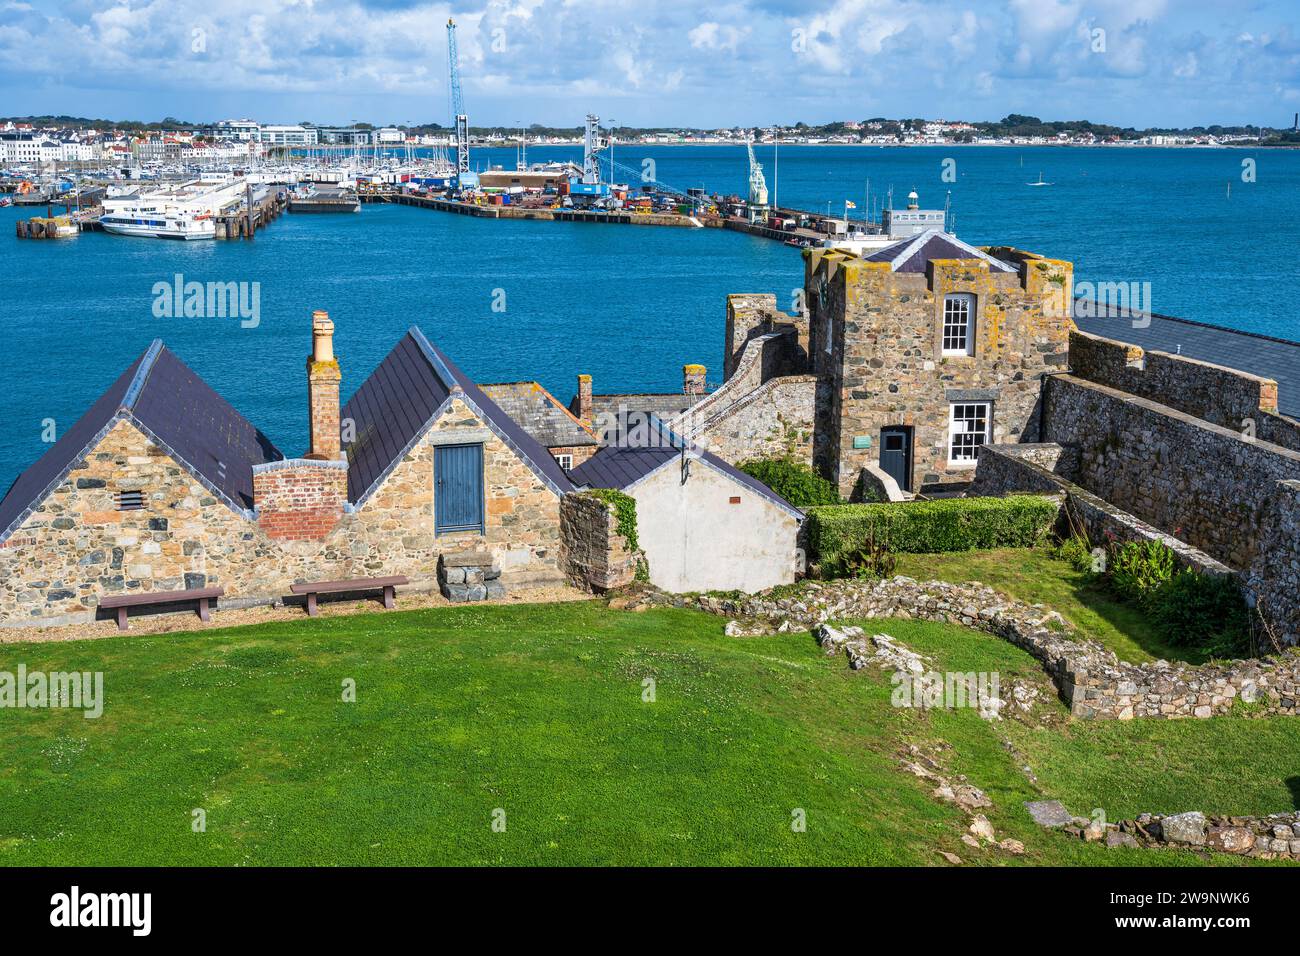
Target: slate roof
column 912, row 254
column 540, row 413
column 394, row 407
column 660, row 404
column 638, row 451
column 162, row 397
column 1263, row 355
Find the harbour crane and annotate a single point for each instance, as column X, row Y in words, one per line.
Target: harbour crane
column 457, row 101
column 757, row 184
column 593, row 143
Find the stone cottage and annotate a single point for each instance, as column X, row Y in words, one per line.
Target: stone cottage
column 162, row 485
column 568, row 438
column 702, row 524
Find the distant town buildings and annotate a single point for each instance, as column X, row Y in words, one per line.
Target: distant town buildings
column 238, row 140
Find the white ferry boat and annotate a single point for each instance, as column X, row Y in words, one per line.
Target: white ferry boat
column 152, row 223
column 185, row 211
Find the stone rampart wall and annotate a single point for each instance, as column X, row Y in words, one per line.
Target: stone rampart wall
column 1224, row 396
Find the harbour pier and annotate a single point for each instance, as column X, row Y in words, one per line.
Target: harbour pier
column 253, row 214
column 514, row 211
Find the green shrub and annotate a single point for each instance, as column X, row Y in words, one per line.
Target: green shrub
column 1075, row 552
column 1193, row 609
column 793, row 480
column 1139, row 569
column 927, row 527
column 1185, row 607
column 872, row 560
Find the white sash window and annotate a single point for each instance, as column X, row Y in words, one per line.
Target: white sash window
column 959, row 324
column 968, row 429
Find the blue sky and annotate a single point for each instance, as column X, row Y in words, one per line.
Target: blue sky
column 654, row 62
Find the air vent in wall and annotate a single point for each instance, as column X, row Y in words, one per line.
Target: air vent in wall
column 129, row 500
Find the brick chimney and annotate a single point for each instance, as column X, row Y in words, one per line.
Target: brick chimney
column 584, row 398
column 302, row 499
column 693, row 379
column 323, row 377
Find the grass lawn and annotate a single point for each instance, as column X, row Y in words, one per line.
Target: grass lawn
column 1035, row 577
column 539, row 711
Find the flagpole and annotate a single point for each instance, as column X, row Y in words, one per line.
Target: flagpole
column 776, row 170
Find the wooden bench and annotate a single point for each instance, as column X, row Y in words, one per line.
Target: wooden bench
column 124, row 601
column 355, row 584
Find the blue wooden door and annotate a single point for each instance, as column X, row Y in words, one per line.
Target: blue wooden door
column 458, row 488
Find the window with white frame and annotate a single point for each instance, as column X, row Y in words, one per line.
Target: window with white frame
column 564, row 461
column 968, row 429
column 959, row 324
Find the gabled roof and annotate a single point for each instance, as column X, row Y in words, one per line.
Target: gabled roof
column 911, row 255
column 647, row 444
column 178, row 411
column 540, row 413
column 395, row 406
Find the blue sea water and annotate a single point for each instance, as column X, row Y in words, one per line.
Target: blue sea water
column 629, row 305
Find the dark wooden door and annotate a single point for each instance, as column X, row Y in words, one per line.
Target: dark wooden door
column 896, row 454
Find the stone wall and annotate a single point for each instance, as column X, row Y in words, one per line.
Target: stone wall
column 774, row 420
column 1215, row 393
column 1274, row 837
column 763, row 411
column 876, row 340
column 1044, row 469
column 77, row 547
column 593, row 555
column 753, row 314
column 1031, row 468
column 1203, row 483
column 1091, row 680
column 1274, row 576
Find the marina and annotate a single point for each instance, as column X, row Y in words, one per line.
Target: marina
column 567, row 279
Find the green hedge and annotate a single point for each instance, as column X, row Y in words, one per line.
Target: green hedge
column 837, row 532
column 794, row 481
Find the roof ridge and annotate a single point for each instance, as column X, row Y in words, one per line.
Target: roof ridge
column 910, row 248
column 435, row 361
column 546, row 392
column 150, row 359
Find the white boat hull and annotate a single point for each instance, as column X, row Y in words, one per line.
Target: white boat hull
column 206, row 230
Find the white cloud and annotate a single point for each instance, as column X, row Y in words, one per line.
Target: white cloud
column 716, row 36
column 663, row 63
